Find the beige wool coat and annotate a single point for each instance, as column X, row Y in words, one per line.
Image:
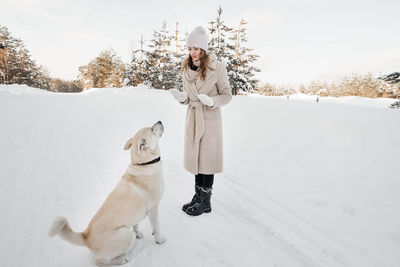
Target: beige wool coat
column 203, row 150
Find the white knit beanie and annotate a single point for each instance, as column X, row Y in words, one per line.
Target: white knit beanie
column 198, row 38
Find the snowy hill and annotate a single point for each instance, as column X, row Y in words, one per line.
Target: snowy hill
column 305, row 183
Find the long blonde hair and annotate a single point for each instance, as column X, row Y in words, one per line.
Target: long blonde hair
column 204, row 59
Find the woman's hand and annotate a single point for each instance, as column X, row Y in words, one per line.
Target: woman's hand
column 206, row 100
column 178, row 95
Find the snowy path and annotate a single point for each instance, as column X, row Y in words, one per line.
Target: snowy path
column 305, row 184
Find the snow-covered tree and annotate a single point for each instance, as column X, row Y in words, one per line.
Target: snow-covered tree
column 391, row 78
column 7, row 55
column 42, row 78
column 59, row 85
column 317, row 87
column 240, row 65
column 136, row 69
column 394, row 79
column 218, row 38
column 17, row 65
column 365, row 85
column 180, row 54
column 159, row 60
column 228, row 45
column 106, row 70
column 273, row 90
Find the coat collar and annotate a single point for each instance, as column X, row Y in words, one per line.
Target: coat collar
column 210, row 74
column 212, row 64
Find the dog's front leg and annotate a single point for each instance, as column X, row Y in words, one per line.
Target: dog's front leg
column 153, row 217
column 139, row 234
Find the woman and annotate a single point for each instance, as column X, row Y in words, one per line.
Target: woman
column 205, row 89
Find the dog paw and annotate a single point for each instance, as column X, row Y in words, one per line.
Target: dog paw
column 100, row 262
column 116, row 261
column 126, row 260
column 160, row 240
column 139, row 235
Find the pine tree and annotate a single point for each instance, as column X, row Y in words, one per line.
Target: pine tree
column 16, row 64
column 153, row 60
column 228, row 46
column 180, row 54
column 391, row 78
column 394, row 79
column 240, row 69
column 136, row 71
column 161, row 71
column 7, row 52
column 168, row 66
column 26, row 69
column 133, row 70
column 218, row 43
column 106, row 70
column 42, row 78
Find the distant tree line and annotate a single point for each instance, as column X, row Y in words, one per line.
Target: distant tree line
column 156, row 63
column 16, row 64
column 354, row 85
column 18, row 67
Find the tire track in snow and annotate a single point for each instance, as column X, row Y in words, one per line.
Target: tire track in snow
column 272, row 238
column 280, row 225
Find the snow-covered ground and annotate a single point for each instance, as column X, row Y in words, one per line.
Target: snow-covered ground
column 347, row 100
column 305, row 183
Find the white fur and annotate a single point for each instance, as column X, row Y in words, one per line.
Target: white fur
column 61, row 227
column 178, row 95
column 111, row 233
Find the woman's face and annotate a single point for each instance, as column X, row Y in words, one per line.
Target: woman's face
column 195, row 53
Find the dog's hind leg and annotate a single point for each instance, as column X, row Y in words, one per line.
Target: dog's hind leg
column 153, row 217
column 118, row 250
column 139, row 234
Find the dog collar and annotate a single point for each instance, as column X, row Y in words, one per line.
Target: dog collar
column 150, row 162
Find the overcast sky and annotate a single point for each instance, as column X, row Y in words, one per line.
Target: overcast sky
column 297, row 41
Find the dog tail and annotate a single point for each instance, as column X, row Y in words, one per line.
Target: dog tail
column 61, row 227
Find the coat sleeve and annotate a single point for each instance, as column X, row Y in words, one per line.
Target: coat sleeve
column 224, row 90
column 186, row 102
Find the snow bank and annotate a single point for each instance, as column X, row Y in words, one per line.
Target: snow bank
column 305, row 183
column 21, row 89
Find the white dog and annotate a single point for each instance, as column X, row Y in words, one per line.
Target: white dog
column 109, row 234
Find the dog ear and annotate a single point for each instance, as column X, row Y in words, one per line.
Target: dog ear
column 158, row 128
column 142, row 145
column 128, row 144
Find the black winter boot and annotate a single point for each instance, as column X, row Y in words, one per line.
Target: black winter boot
column 204, row 205
column 195, row 199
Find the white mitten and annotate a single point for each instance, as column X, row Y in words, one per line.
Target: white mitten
column 178, row 95
column 206, row 100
